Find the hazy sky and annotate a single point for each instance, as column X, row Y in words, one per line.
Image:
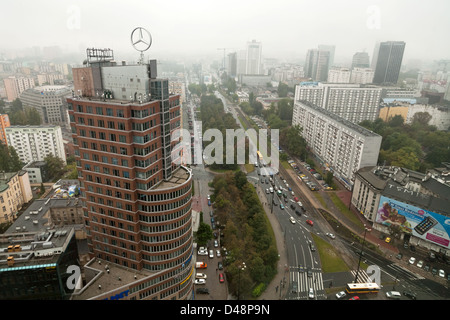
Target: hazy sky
column 286, row 28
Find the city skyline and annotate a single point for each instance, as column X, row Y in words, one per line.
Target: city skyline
column 195, row 29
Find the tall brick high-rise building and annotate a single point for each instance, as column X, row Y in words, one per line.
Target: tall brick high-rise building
column 137, row 199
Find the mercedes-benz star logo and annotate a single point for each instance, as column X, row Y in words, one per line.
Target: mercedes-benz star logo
column 141, row 39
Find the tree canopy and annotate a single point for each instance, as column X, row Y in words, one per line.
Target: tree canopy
column 247, row 233
column 416, row 146
column 9, row 160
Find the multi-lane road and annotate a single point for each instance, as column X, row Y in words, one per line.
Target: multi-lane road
column 303, row 276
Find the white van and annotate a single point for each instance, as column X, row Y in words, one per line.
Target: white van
column 393, row 294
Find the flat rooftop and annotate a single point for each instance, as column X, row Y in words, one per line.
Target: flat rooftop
column 35, row 218
column 179, row 176
column 99, row 280
column 37, row 249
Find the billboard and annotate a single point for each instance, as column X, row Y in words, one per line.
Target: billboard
column 424, row 224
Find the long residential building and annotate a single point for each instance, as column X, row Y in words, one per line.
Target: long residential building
column 34, row 143
column 342, row 146
column 353, row 102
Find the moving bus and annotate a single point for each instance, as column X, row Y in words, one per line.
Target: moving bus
column 370, row 287
column 260, row 157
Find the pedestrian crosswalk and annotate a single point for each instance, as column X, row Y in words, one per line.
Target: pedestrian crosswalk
column 363, row 277
column 302, row 280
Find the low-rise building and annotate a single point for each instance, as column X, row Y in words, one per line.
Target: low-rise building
column 15, row 191
column 407, row 204
column 35, row 265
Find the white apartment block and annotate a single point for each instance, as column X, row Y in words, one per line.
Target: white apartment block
column 339, row 75
column 48, row 78
column 342, row 146
column 15, row 86
column 362, row 75
column 353, row 102
column 34, row 143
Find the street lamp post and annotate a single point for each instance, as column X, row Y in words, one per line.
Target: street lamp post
column 240, row 267
column 360, row 254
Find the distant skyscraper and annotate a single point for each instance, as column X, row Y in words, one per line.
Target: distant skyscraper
column 387, row 61
column 317, row 64
column 330, row 49
column 360, row 60
column 232, row 64
column 254, row 65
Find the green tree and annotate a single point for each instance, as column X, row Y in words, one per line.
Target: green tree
column 329, row 178
column 9, row 160
column 283, row 89
column 16, row 105
column 203, row 234
column 293, row 141
column 15, row 163
column 54, row 166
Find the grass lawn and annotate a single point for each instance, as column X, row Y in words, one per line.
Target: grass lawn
column 249, row 167
column 344, row 209
column 329, row 257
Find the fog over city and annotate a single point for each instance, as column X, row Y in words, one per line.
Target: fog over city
column 197, row 28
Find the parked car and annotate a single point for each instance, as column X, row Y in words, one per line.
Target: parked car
column 221, row 278
column 201, row 276
column 434, row 271
column 340, row 295
column 219, row 265
column 354, row 298
column 420, row 264
column 200, row 281
column 412, row 260
column 202, row 291
column 441, row 273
